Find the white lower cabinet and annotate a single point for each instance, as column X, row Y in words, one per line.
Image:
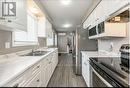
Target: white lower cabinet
column 38, row 75
column 86, row 69
column 35, row 82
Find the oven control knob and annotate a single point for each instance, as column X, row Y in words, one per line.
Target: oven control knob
column 127, row 47
column 122, row 47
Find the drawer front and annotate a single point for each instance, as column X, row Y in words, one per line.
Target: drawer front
column 19, row 82
column 36, row 68
column 35, row 82
column 32, row 71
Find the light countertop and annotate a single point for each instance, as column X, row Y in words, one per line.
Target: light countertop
column 13, row 65
column 100, row 54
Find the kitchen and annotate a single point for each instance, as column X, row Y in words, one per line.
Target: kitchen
column 64, row 43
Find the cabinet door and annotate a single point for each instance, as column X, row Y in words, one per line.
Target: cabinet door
column 44, row 76
column 86, row 70
column 89, row 21
column 48, row 28
column 54, row 60
column 41, row 27
column 99, row 14
column 18, row 22
column 114, row 5
column 21, row 13
column 48, row 72
column 1, row 9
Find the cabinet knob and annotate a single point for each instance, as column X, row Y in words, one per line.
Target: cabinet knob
column 16, row 85
column 38, row 80
column 38, row 66
column 9, row 21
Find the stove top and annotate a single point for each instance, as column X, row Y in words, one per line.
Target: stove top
column 112, row 66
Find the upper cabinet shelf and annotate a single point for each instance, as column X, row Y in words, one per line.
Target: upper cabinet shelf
column 19, row 19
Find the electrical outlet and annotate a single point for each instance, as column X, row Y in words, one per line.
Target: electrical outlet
column 7, row 45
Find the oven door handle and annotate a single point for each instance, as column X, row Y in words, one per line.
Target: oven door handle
column 108, row 84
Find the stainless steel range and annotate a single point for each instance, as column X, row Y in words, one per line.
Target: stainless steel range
column 112, row 71
column 125, row 57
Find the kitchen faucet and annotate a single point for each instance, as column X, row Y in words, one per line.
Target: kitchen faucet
column 111, row 47
column 33, row 50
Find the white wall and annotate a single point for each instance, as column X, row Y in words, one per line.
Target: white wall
column 104, row 44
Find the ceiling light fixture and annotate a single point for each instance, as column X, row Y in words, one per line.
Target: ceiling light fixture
column 67, row 25
column 65, row 2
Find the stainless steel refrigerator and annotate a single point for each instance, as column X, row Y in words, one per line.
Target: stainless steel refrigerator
column 81, row 43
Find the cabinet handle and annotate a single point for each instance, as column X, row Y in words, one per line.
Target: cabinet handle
column 16, row 85
column 38, row 66
column 9, row 21
column 2, row 18
column 38, row 80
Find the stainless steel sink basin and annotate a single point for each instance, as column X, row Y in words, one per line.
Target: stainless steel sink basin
column 36, row 53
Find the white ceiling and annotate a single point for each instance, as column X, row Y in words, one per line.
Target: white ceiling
column 62, row 14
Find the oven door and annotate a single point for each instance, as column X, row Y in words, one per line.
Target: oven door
column 97, row 80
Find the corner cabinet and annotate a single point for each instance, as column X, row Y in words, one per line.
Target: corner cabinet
column 14, row 23
column 38, row 75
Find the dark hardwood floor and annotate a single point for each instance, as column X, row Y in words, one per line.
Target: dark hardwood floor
column 64, row 76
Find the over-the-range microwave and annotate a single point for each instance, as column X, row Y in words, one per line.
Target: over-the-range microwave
column 98, row 29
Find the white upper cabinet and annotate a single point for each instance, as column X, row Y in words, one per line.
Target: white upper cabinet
column 111, row 6
column 49, row 29
column 41, row 27
column 44, row 28
column 103, row 11
column 13, row 23
column 21, row 14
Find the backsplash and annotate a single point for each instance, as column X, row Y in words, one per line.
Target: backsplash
column 105, row 44
column 6, row 36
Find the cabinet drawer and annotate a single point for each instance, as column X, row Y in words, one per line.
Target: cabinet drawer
column 32, row 71
column 35, row 82
column 36, row 68
column 18, row 82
